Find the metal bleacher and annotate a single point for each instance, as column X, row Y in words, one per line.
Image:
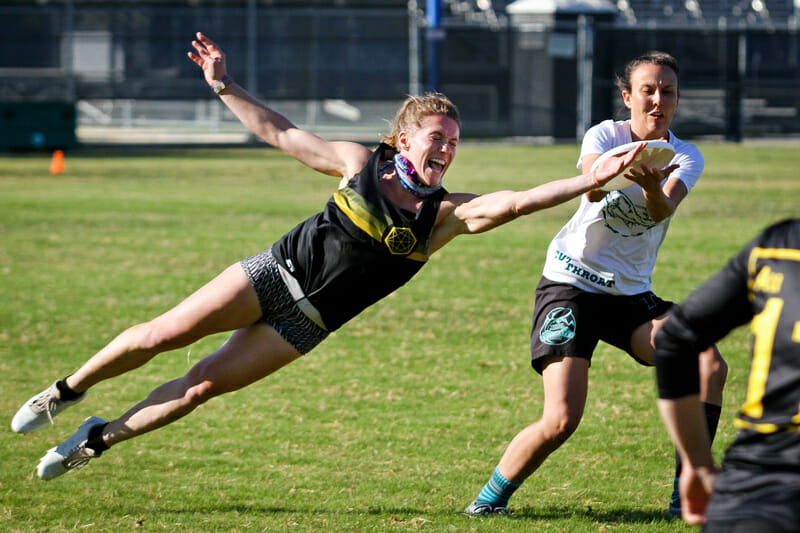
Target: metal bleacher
column 483, row 12
column 708, row 12
column 751, row 13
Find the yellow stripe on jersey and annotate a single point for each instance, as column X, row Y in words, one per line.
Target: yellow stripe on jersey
column 756, row 253
column 356, row 209
column 761, row 428
column 354, row 206
column 765, row 428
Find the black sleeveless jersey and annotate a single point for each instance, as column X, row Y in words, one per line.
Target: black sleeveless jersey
column 360, row 248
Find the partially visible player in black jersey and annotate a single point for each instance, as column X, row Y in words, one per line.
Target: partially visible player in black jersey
column 389, row 214
column 758, row 486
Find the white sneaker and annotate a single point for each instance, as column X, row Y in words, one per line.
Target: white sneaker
column 70, row 454
column 41, row 409
column 485, row 509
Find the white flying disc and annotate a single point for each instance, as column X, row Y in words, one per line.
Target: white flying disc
column 657, row 154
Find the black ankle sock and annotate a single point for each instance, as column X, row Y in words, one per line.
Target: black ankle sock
column 95, row 439
column 66, row 393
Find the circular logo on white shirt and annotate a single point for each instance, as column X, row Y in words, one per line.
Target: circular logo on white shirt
column 624, row 216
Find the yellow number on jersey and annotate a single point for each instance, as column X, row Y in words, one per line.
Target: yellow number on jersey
column 763, row 327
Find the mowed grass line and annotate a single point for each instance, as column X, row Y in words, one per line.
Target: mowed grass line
column 397, row 420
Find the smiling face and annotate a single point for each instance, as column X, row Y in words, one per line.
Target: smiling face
column 431, row 147
column 653, row 100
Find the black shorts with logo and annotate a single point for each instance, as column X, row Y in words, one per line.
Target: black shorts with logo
column 568, row 321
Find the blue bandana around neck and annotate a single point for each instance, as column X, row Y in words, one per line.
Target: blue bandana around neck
column 409, row 179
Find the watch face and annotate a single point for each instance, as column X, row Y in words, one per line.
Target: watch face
column 221, row 84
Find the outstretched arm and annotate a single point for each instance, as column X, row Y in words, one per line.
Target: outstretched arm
column 661, row 202
column 595, row 195
column 342, row 159
column 467, row 213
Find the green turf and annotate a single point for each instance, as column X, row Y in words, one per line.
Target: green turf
column 398, row 419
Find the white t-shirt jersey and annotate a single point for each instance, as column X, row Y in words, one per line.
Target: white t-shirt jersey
column 611, row 246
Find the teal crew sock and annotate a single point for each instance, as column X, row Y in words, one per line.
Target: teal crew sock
column 497, row 491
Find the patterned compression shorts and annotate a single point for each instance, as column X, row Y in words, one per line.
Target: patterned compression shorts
column 278, row 306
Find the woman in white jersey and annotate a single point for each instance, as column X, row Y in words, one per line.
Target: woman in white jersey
column 597, row 278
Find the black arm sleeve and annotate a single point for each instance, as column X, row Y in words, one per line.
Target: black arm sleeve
column 708, row 314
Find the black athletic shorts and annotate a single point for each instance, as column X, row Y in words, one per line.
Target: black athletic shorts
column 768, row 508
column 747, row 526
column 568, row 321
column 763, row 513
column 758, row 485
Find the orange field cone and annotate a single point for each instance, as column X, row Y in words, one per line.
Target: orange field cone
column 57, row 164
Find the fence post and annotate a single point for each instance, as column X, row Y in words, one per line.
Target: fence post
column 585, row 74
column 414, row 84
column 434, row 34
column 735, row 68
column 68, row 47
column 252, row 45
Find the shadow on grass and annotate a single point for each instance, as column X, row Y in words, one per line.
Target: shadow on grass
column 619, row 515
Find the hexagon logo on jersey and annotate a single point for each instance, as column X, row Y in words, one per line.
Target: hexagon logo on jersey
column 559, row 327
column 400, row 241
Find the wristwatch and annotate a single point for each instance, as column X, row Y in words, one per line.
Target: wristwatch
column 222, row 84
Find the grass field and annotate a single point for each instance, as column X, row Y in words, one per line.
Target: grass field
column 397, row 420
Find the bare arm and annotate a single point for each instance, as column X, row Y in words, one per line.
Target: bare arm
column 594, row 195
column 342, row 159
column 468, row 213
column 686, row 424
column 661, row 202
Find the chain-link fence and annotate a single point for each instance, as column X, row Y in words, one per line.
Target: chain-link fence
column 341, row 67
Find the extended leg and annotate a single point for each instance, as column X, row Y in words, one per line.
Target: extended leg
column 249, row 355
column 565, row 389
column 226, row 303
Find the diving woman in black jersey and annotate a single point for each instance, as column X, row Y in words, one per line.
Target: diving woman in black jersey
column 388, row 215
